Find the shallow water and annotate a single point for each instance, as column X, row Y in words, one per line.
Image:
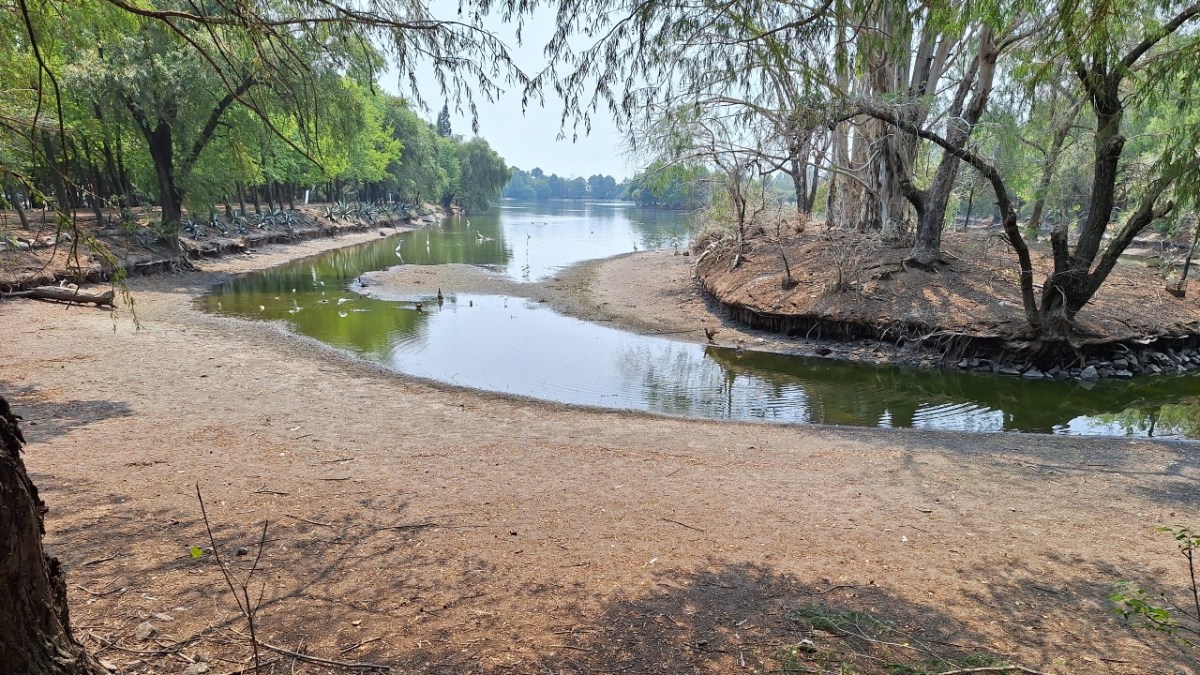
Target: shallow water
column 516, row 346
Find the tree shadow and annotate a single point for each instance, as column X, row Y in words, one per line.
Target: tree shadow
column 1162, row 471
column 44, row 421
column 379, row 587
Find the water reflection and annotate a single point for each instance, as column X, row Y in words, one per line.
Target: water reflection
column 516, row 346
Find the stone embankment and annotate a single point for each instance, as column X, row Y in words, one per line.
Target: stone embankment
column 1126, row 366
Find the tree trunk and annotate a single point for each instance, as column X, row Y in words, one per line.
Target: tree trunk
column 162, row 151
column 960, row 124
column 35, row 629
column 15, row 199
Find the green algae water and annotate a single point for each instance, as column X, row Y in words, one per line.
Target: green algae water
column 516, row 346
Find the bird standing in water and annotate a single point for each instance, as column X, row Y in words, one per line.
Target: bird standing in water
column 710, row 333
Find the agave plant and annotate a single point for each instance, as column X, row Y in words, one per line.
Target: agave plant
column 215, row 222
column 240, row 224
column 329, row 212
column 192, row 228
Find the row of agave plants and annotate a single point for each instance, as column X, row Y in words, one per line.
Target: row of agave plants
column 239, row 223
column 371, row 213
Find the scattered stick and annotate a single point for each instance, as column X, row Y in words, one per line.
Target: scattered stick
column 97, row 561
column 263, row 491
column 834, row 588
column 580, row 649
column 413, row 526
column 361, row 643
column 311, row 522
column 100, row 594
column 326, row 662
column 999, row 669
column 682, row 524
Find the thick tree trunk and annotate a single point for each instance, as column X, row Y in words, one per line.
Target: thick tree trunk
column 35, row 630
column 162, row 151
column 961, row 124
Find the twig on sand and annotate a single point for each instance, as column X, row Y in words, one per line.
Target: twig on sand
column 996, row 669
column 361, row 643
column 264, row 491
column 325, row 662
column 311, row 522
column 682, row 524
column 411, row 526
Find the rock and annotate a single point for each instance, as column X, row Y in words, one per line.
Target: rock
column 1089, row 373
column 686, row 253
column 1123, row 374
column 1120, row 364
column 108, row 665
column 1033, row 374
column 1153, row 368
column 1054, row 372
column 1009, row 370
column 242, row 550
column 162, row 617
column 196, row 669
column 964, row 364
column 145, row 630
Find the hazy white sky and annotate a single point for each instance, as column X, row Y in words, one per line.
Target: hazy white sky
column 530, row 140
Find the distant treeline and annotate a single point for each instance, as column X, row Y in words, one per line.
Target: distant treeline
column 666, row 187
column 536, row 184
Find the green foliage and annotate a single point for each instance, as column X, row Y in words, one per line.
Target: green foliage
column 483, row 174
column 443, row 122
column 671, row 186
column 537, row 185
column 1140, row 608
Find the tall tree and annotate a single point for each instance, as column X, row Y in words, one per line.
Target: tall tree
column 1122, row 54
column 443, row 121
column 35, row 635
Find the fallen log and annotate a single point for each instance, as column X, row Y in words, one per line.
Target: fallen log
column 66, row 294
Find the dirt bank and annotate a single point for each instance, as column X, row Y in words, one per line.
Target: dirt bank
column 840, row 286
column 441, row 530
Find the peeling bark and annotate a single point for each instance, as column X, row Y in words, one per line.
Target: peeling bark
column 35, row 629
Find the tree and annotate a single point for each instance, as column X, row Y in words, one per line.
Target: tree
column 443, row 121
column 35, row 635
column 1119, row 59
column 484, row 174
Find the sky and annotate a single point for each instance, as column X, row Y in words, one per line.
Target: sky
column 527, row 140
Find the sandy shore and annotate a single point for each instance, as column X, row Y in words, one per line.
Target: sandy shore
column 445, row 530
